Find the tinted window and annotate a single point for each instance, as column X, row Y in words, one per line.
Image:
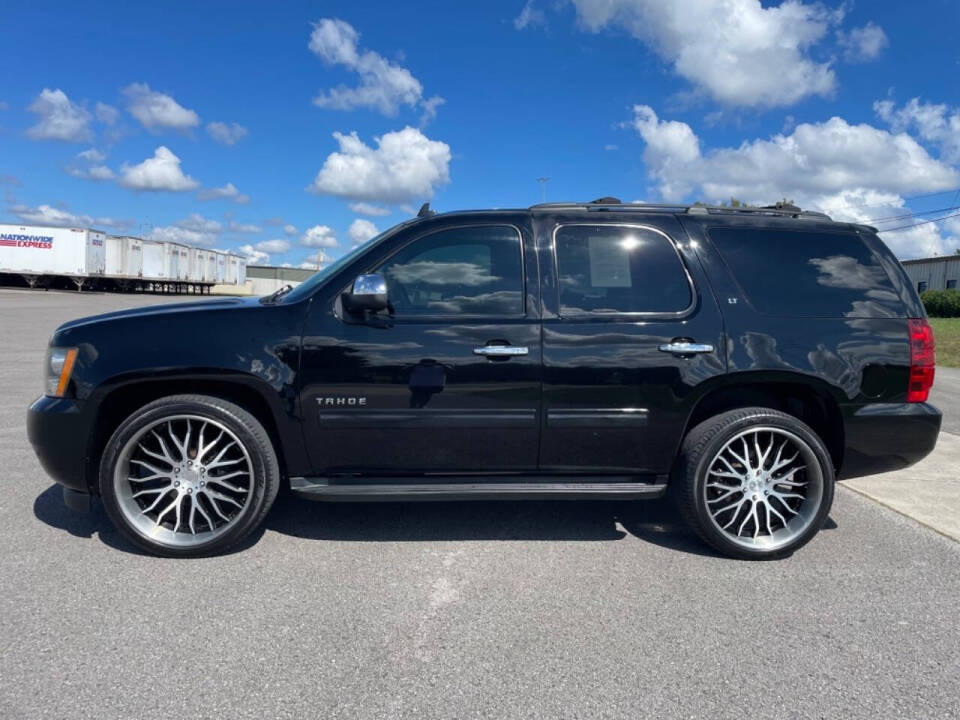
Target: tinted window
column 610, row 269
column 470, row 270
column 951, row 284
column 921, row 286
column 807, row 274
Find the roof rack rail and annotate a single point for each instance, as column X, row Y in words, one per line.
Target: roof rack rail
column 607, row 204
column 778, row 210
column 597, row 206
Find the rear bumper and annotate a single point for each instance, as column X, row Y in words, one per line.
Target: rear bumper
column 888, row 436
column 57, row 430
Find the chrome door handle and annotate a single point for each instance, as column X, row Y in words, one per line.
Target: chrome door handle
column 501, row 350
column 686, row 348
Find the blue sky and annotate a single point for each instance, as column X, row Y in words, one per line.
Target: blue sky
column 280, row 129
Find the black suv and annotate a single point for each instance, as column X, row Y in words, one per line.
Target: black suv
column 741, row 359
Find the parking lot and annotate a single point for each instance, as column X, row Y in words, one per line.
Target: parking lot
column 510, row 609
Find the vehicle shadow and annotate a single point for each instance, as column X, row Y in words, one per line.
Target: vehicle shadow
column 49, row 508
column 655, row 521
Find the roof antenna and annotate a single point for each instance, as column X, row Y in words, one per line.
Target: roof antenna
column 425, row 211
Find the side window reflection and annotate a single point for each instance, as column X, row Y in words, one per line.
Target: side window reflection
column 471, row 271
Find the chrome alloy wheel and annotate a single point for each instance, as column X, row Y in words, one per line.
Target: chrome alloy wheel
column 763, row 488
column 183, row 480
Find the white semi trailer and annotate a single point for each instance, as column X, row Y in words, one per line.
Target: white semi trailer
column 124, row 256
column 38, row 254
column 33, row 252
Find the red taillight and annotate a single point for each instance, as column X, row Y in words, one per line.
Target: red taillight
column 922, row 360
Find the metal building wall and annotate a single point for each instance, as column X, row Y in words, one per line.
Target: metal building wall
column 273, row 272
column 934, row 271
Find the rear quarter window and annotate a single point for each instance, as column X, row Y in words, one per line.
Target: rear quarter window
column 795, row 273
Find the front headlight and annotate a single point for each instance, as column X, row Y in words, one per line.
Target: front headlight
column 59, row 366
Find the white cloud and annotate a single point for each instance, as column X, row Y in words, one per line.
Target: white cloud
column 171, row 233
column 816, row 159
column 321, row 236
column 362, row 230
column 736, row 51
column 384, row 86
column 828, row 166
column 530, row 16
column 430, row 106
column 196, row 221
column 92, row 155
column 160, row 172
column 98, row 173
column 290, row 230
column 406, row 165
column 227, row 192
column 277, row 245
column 192, row 230
column 58, row 118
column 106, row 114
column 871, row 207
column 863, row 44
column 362, row 208
column 254, row 256
column 934, row 123
column 157, row 111
column 86, row 166
column 610, row 148
column 307, row 265
column 227, row 134
column 60, row 217
column 246, row 229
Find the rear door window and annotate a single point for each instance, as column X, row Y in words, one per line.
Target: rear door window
column 799, row 273
column 607, row 269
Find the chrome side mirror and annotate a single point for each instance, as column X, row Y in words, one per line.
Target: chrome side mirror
column 369, row 293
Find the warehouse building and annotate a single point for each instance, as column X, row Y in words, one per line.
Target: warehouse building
column 264, row 279
column 936, row 273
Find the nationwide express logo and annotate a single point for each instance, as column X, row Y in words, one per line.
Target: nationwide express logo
column 41, row 242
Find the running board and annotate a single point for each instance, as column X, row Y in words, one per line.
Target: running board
column 321, row 489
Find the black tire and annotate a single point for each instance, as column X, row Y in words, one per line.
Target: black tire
column 263, row 485
column 701, row 446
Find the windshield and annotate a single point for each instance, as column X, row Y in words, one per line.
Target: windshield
column 306, row 288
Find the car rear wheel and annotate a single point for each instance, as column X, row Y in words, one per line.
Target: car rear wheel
column 188, row 476
column 754, row 483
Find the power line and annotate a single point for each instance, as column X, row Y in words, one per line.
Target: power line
column 911, row 197
column 923, row 222
column 913, row 214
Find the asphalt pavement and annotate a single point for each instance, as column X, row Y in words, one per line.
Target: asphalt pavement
column 442, row 610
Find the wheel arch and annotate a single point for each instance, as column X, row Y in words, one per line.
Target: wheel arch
column 810, row 400
column 123, row 399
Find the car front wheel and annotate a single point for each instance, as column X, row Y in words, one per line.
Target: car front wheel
column 754, row 483
column 188, row 476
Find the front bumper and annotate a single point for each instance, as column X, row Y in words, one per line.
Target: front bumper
column 888, row 436
column 58, row 431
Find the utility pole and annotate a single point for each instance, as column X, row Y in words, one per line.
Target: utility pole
column 543, row 187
